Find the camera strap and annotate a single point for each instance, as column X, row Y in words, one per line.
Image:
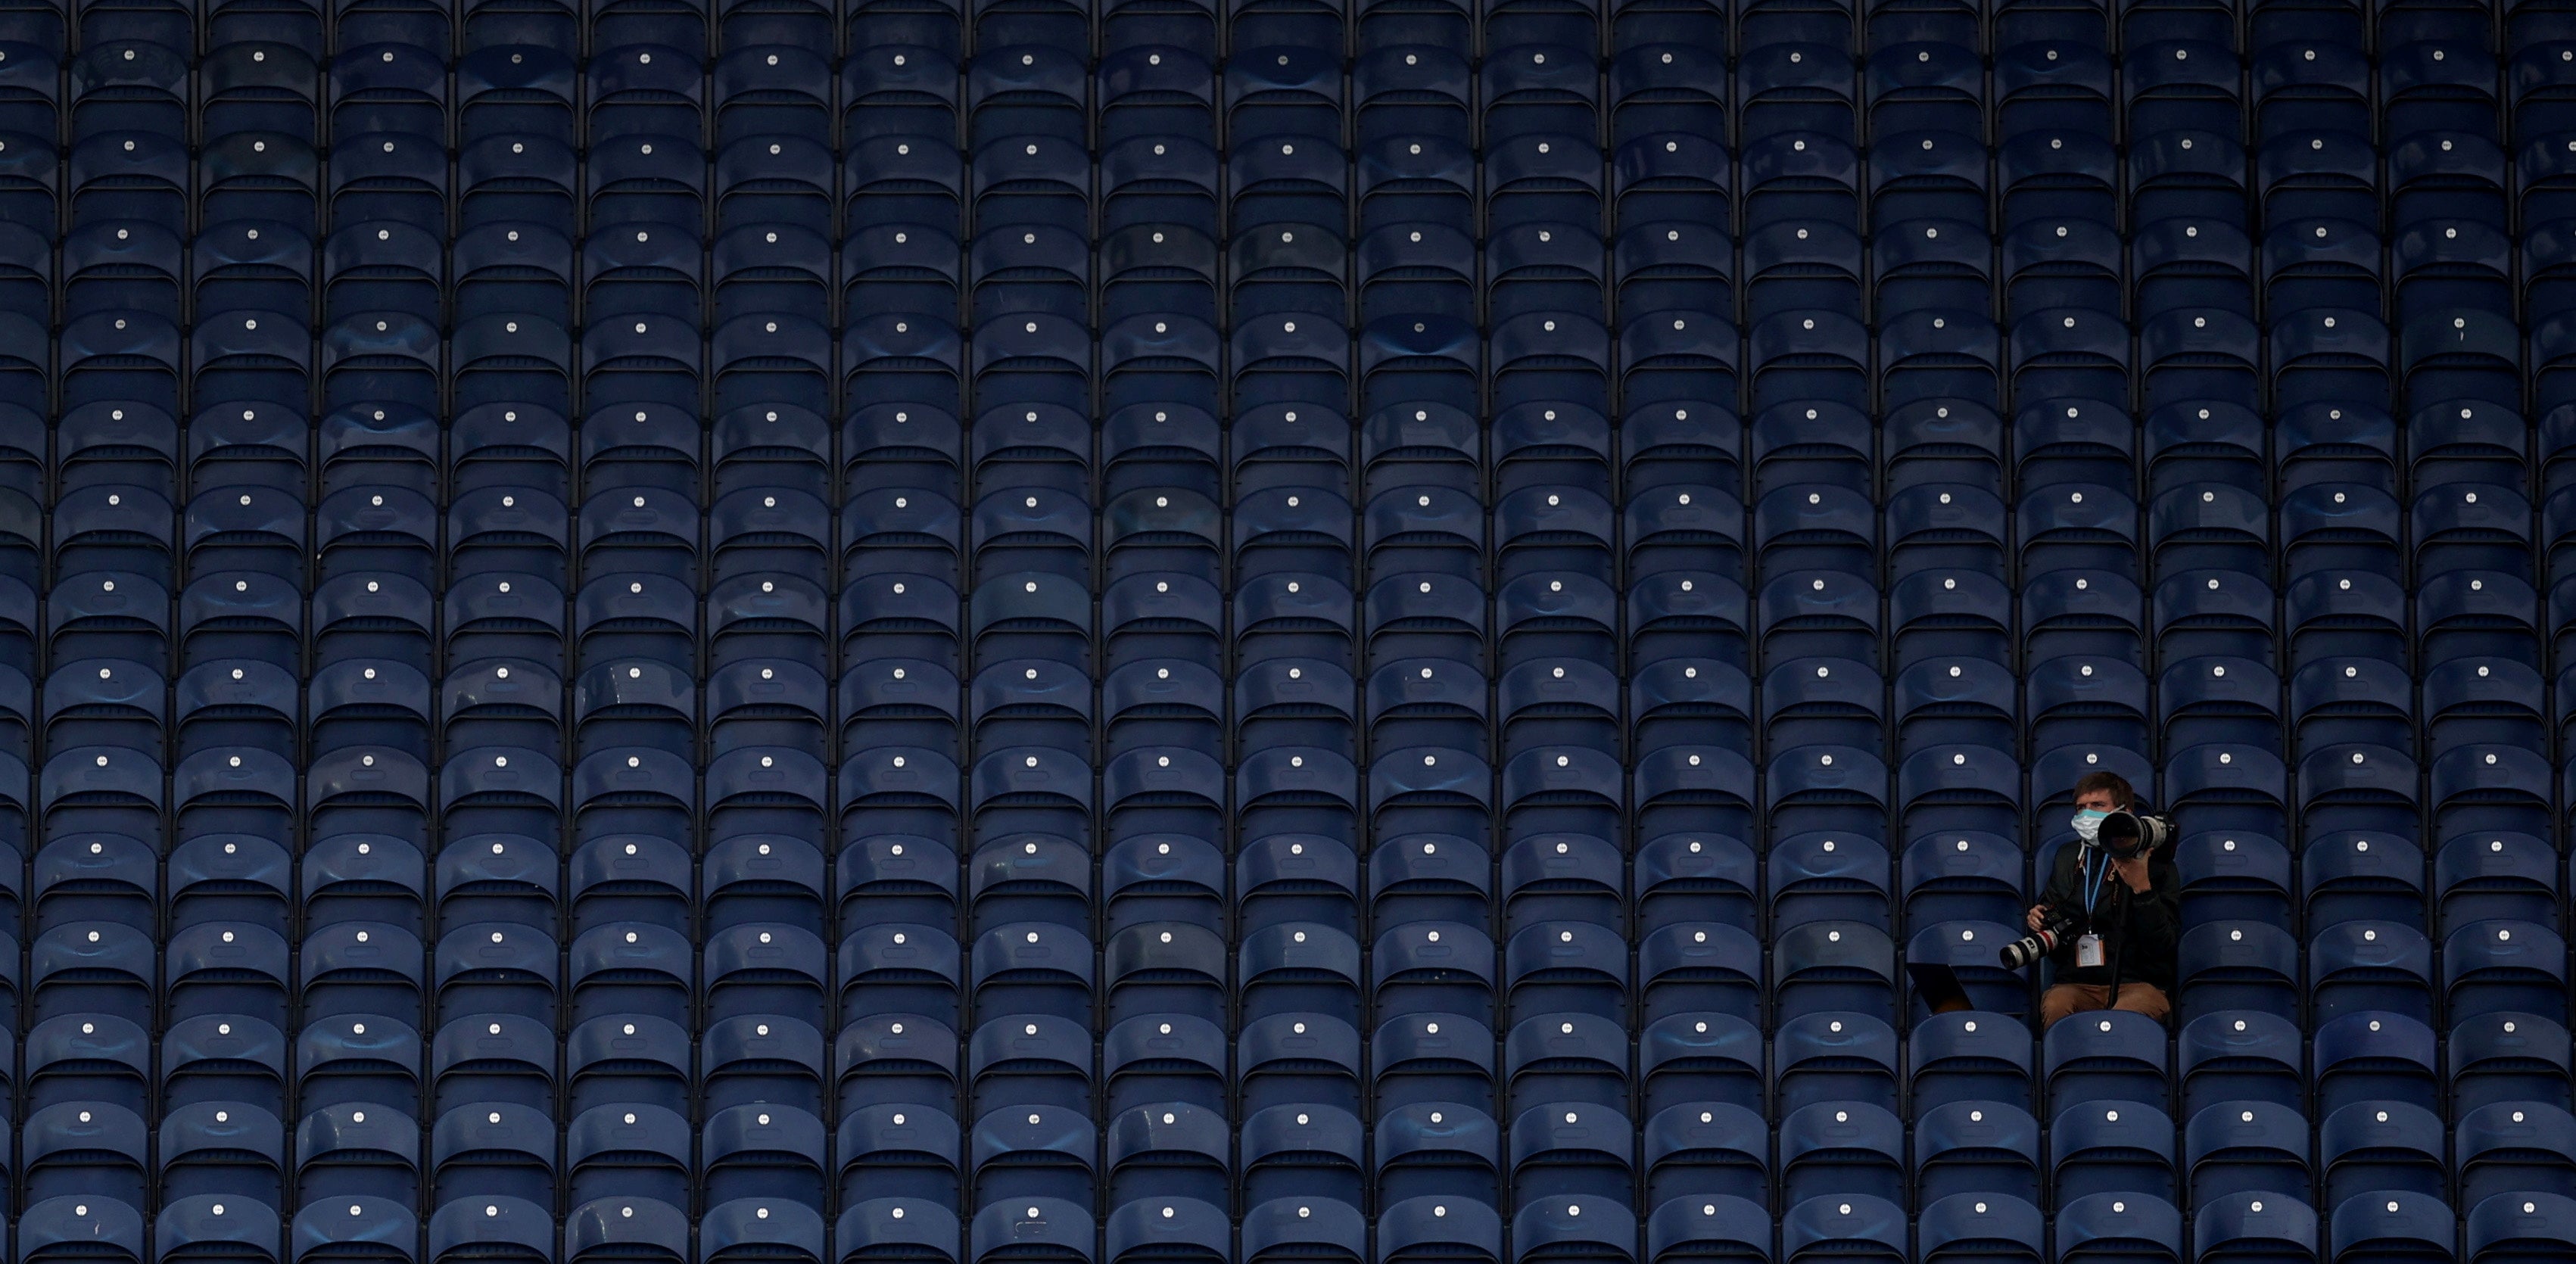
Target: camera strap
column 2120, row 913
column 2090, row 947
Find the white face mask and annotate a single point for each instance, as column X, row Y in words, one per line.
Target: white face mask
column 2088, row 824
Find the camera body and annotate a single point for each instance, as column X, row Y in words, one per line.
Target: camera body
column 2057, row 925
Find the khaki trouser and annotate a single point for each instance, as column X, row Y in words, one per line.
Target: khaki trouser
column 2072, row 998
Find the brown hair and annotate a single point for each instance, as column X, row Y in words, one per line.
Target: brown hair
column 2118, row 785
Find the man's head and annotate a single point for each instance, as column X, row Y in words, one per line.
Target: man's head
column 2103, row 792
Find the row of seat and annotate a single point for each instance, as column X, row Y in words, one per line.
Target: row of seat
column 1111, row 26
column 1858, row 1225
column 1013, row 697
column 1807, row 278
column 2474, row 786
column 2362, row 1058
column 1547, row 968
column 2235, row 878
column 1156, row 658
column 1037, row 180
column 1945, row 528
column 1547, row 445
column 1661, row 619
column 369, row 1148
column 2509, row 1227
column 1673, row 359
column 1814, row 547
column 1400, row 90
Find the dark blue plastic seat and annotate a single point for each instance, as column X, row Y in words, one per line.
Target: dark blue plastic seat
column 1980, row 1226
column 2417, row 1228
column 2232, row 1149
column 2499, row 1229
column 1976, row 1148
column 2504, row 1057
column 2509, row 1146
column 2105, row 1147
column 2100, row 1056
column 478, row 1058
column 1838, row 1149
column 2377, row 1147
column 1834, row 1056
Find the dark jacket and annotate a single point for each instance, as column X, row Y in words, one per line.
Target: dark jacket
column 2140, row 929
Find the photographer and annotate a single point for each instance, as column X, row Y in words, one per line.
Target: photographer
column 2125, row 915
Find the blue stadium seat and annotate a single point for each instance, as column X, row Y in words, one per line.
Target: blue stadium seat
column 2501, row 1230
column 1980, row 1226
column 1976, row 1148
column 2506, row 1146
column 2106, row 1146
column 2418, row 1226
column 2380, row 1147
column 2493, row 1058
column 2099, row 1056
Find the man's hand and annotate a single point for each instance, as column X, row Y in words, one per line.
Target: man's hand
column 2031, row 919
column 2134, row 872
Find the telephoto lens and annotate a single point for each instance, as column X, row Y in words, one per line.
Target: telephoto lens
column 2127, row 835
